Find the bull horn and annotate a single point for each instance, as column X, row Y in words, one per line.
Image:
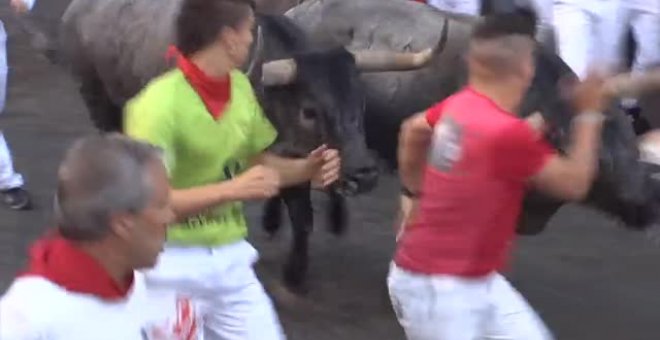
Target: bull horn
column 633, row 85
column 373, row 61
column 278, row 72
column 283, row 72
column 376, row 61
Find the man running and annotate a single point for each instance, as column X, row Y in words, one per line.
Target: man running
column 444, row 281
column 112, row 209
column 204, row 114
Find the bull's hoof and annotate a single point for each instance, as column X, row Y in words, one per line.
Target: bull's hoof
column 294, row 280
column 297, row 288
column 285, row 297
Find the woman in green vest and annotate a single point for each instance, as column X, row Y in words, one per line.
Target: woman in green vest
column 206, row 118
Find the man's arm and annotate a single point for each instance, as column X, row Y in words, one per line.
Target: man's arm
column 570, row 177
column 292, row 171
column 322, row 165
column 258, row 182
column 414, row 141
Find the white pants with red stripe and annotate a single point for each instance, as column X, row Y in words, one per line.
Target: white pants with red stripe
column 443, row 307
column 8, row 177
column 223, row 283
column 470, row 7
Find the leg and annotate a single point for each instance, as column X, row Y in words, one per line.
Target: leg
column 573, row 36
column 104, row 114
column 299, row 205
column 243, row 314
column 443, row 5
column 610, row 32
column 225, row 288
column 512, row 318
column 11, row 183
column 438, row 307
column 469, row 7
column 272, row 218
column 646, row 29
column 337, row 214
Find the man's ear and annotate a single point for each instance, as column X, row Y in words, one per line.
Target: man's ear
column 227, row 36
column 122, row 224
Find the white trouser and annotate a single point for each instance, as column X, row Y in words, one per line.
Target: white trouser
column 470, row 7
column 442, row 307
column 222, row 281
column 8, row 178
column 646, row 30
column 587, row 34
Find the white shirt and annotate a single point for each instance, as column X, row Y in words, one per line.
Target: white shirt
column 36, row 309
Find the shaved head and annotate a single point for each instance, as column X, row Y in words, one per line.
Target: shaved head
column 502, row 47
column 500, row 57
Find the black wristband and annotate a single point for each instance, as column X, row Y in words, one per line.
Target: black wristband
column 408, row 193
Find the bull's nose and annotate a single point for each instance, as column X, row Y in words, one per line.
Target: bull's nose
column 359, row 181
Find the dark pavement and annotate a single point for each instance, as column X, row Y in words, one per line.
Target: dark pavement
column 589, row 279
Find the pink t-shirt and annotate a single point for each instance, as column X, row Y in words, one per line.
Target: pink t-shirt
column 481, row 158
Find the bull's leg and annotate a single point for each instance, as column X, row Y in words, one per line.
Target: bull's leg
column 272, row 217
column 104, row 114
column 337, row 214
column 537, row 211
column 299, row 205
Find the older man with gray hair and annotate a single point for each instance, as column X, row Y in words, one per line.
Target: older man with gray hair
column 112, row 210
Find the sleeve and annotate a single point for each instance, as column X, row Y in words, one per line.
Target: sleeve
column 434, row 113
column 519, row 152
column 152, row 124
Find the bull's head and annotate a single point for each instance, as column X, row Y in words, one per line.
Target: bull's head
column 319, row 99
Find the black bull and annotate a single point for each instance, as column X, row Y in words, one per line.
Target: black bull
column 624, row 187
column 114, row 48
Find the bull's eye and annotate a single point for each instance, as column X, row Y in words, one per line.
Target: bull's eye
column 309, row 114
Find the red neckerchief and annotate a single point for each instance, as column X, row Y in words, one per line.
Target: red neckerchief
column 61, row 262
column 215, row 93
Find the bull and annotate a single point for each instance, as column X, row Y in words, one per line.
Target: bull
column 624, row 188
column 276, row 6
column 114, row 47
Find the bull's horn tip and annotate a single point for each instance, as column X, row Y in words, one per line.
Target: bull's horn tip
column 423, row 56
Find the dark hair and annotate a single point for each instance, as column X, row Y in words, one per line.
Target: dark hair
column 522, row 21
column 200, row 21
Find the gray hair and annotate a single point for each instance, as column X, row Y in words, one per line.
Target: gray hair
column 99, row 176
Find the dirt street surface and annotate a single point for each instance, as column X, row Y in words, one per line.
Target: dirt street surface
column 587, row 278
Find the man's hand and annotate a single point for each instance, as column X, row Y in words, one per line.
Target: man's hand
column 589, row 95
column 258, row 182
column 325, row 165
column 19, row 6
